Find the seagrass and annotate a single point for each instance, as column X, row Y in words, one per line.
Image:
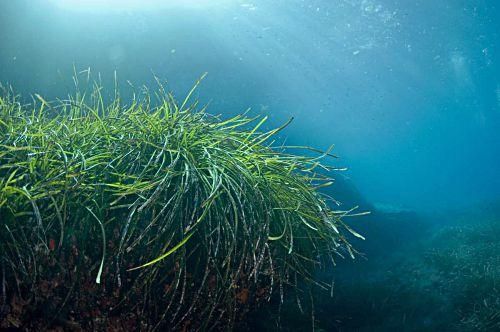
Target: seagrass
column 171, row 214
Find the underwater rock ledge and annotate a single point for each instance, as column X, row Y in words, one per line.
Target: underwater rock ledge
column 152, row 215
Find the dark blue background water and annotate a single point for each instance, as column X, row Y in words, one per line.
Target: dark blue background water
column 409, row 91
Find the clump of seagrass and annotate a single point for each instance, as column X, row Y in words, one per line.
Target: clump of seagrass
column 152, row 211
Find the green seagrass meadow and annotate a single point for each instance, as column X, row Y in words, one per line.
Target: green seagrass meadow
column 151, row 213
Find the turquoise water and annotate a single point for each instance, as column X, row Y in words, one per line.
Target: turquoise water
column 408, row 91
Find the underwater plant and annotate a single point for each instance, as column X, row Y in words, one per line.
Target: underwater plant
column 468, row 264
column 152, row 213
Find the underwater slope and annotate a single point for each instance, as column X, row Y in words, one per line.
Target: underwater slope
column 446, row 278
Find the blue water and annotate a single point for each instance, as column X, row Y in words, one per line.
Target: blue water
column 408, row 91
